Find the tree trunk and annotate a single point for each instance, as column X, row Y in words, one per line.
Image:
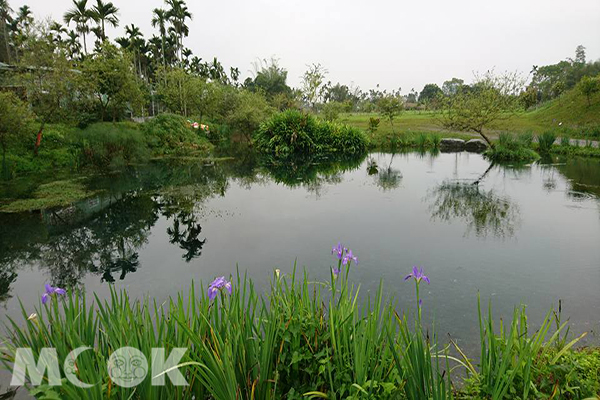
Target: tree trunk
column 38, row 140
column 489, row 142
column 4, row 170
column 6, row 42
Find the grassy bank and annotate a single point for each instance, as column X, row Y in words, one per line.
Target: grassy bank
column 303, row 339
column 568, row 115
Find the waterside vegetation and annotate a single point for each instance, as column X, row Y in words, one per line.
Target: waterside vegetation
column 303, row 339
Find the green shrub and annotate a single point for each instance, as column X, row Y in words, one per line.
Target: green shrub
column 546, row 141
column 108, row 144
column 565, row 141
column 525, row 138
column 422, row 140
column 510, row 148
column 170, row 133
column 294, row 133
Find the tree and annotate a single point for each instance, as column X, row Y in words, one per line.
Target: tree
column 312, row 80
column 332, row 110
column 430, row 92
column 390, row 107
column 80, row 15
column 249, row 111
column 490, row 98
column 48, row 76
column 160, row 18
column 105, row 13
column 110, row 78
column 178, row 14
column 451, row 87
column 269, row 78
column 588, row 86
column 5, row 18
column 14, row 121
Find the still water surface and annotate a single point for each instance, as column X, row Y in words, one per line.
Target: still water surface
column 527, row 234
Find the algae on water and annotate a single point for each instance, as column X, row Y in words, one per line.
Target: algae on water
column 54, row 194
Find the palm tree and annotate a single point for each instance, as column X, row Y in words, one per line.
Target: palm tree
column 57, row 30
column 178, row 14
column 5, row 18
column 136, row 43
column 105, row 13
column 73, row 43
column 24, row 16
column 160, row 18
column 81, row 16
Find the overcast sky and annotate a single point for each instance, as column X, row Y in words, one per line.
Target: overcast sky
column 394, row 43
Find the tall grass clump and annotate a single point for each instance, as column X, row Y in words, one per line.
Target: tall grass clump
column 546, row 141
column 511, row 148
column 301, row 339
column 110, row 145
column 294, row 133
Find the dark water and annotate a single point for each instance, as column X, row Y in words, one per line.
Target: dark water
column 528, row 234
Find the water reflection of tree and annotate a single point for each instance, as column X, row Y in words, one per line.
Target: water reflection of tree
column 184, row 232
column 388, row 177
column 583, row 175
column 483, row 211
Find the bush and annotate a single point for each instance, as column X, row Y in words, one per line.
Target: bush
column 108, row 144
column 510, row 148
column 293, row 133
column 546, row 141
column 170, row 133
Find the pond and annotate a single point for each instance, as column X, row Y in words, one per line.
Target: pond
column 524, row 234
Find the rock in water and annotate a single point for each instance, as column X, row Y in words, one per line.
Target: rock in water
column 476, row 145
column 451, row 144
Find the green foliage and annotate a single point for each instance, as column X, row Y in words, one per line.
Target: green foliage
column 525, row 138
column 589, row 86
column 302, row 339
column 490, row 99
column 15, row 119
column 249, row 111
column 546, row 141
column 108, row 77
column 430, row 92
column 510, row 148
column 331, row 111
column 270, row 79
column 373, row 125
column 390, row 107
column 293, row 133
column 170, row 133
column 111, row 145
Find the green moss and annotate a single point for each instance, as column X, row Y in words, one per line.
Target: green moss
column 54, row 194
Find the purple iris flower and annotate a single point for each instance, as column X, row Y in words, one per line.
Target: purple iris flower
column 338, row 251
column 418, row 275
column 349, row 257
column 51, row 291
column 216, row 285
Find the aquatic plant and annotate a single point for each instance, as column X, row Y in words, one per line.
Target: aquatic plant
column 546, row 141
column 292, row 133
column 295, row 343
